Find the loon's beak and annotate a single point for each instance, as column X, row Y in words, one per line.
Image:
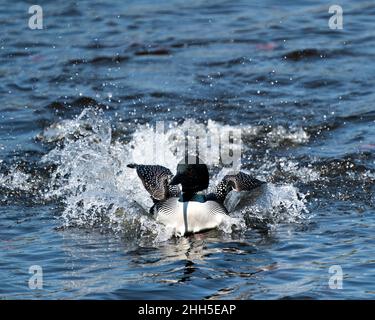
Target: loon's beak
column 177, row 179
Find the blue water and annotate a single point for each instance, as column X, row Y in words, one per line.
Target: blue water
column 75, row 97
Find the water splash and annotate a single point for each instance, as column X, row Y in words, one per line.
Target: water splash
column 98, row 190
column 15, row 179
column 291, row 169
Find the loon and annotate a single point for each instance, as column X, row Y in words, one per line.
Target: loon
column 188, row 211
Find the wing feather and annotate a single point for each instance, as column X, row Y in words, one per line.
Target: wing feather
column 156, row 179
column 238, row 182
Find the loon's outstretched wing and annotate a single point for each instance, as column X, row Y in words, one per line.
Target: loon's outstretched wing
column 238, row 182
column 156, row 179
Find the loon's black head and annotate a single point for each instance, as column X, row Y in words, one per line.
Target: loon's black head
column 192, row 174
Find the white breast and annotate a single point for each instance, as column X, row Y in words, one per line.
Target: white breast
column 190, row 216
